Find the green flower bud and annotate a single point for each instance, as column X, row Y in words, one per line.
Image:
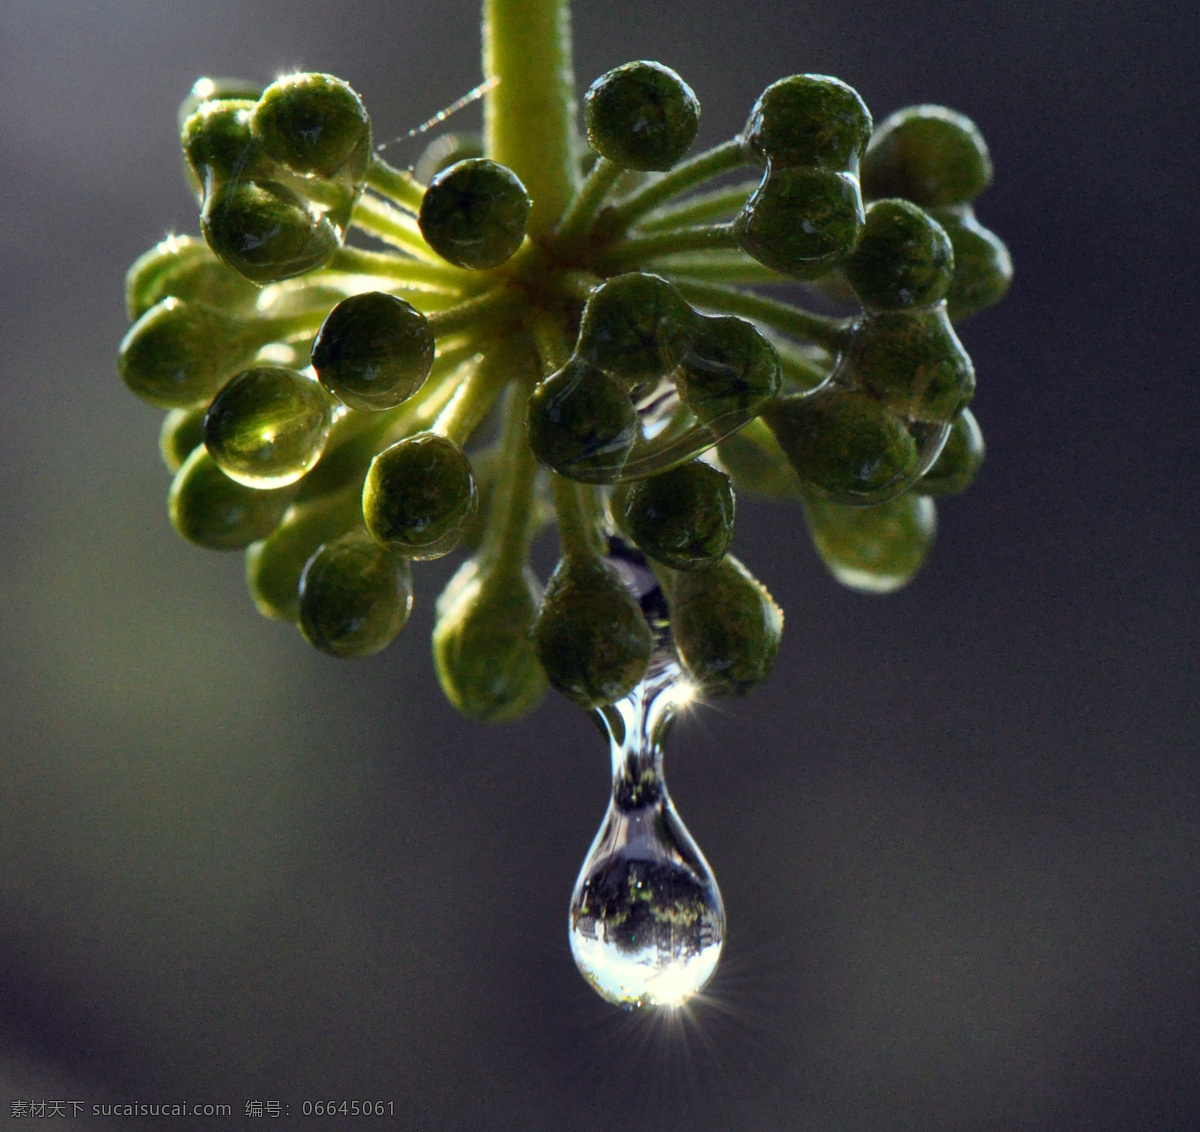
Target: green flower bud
column 904, row 258
column 929, row 155
column 355, row 596
column 268, row 426
column 914, row 361
column 420, row 496
column 982, row 266
column 873, row 549
column 812, row 120
column 483, row 640
column 266, row 232
column 184, row 267
column 373, row 351
column 727, row 627
column 845, row 445
column 274, row 565
column 636, row 327
column 314, row 123
column 591, row 637
column 580, row 420
column 447, row 150
column 474, row 213
column 801, row 221
column 210, row 90
column 179, row 353
column 730, row 369
column 217, row 142
column 182, row 431
column 959, row 462
column 208, row 509
column 641, row 116
column 683, row 518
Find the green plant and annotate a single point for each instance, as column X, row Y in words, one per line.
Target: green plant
column 567, row 332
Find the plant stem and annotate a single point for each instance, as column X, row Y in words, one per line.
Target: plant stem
column 700, row 208
column 378, row 218
column 529, row 115
column 486, row 311
column 827, row 332
column 717, row 266
column 637, row 249
column 398, row 185
column 712, row 163
column 592, row 194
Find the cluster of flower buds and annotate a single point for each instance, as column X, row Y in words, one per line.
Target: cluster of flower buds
column 341, row 411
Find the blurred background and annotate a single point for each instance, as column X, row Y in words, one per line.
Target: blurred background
column 957, row 831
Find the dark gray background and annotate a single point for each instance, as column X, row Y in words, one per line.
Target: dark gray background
column 956, row 831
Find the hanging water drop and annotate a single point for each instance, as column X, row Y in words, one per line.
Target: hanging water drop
column 647, row 922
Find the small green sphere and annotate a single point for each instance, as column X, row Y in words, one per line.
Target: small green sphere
column 217, row 142
column 447, row 150
column 913, row 361
column 178, row 353
column 904, row 259
column 274, row 565
column 801, row 221
column 592, row 639
column 730, row 369
column 211, row 90
column 184, row 267
column 580, row 420
column 636, row 327
column 641, row 116
column 983, row 268
column 314, row 123
column 420, row 496
column 845, row 445
column 727, row 627
column 474, row 213
column 373, row 351
column 813, row 120
column 682, row 518
column 210, row 510
column 959, row 462
column 929, row 155
column 268, row 426
column 483, row 640
column 355, row 597
column 182, row 431
column 873, row 549
column 266, row 232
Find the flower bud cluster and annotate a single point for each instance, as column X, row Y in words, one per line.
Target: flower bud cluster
column 340, row 412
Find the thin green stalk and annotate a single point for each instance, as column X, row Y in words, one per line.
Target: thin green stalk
column 382, row 220
column 426, row 276
column 483, row 312
column 828, row 332
column 398, row 185
column 717, row 266
column 529, row 114
column 592, row 194
column 578, row 530
column 509, row 527
column 472, row 400
column 699, row 209
column 549, row 340
column 720, row 159
column 635, row 250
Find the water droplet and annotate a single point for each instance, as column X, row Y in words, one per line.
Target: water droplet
column 647, row 922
